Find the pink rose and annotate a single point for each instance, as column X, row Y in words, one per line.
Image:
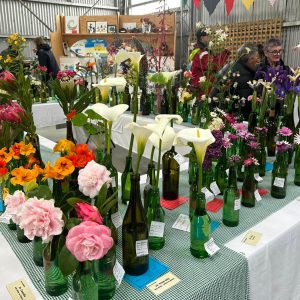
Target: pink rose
column 92, row 177
column 87, row 212
column 41, row 218
column 14, row 204
column 89, row 241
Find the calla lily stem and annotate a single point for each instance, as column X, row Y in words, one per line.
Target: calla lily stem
column 152, row 154
column 158, row 163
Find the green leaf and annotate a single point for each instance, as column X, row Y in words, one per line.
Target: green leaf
column 74, row 200
column 42, row 191
column 79, row 119
column 92, row 114
column 72, row 222
column 101, row 197
column 90, row 128
column 67, row 262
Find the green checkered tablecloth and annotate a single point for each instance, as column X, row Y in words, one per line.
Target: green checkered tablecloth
column 223, row 276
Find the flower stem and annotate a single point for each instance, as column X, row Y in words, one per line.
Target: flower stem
column 158, row 163
column 199, row 177
column 135, row 105
column 152, row 154
column 137, row 166
column 108, row 137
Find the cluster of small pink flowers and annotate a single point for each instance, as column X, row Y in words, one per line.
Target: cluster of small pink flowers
column 39, row 69
column 66, row 73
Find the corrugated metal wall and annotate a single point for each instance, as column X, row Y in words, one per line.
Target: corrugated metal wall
column 16, row 18
column 288, row 10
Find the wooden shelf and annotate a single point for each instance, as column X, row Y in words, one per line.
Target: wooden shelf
column 117, row 33
column 88, row 34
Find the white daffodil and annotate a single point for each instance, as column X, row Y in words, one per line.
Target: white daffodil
column 167, row 139
column 201, row 139
column 110, row 114
column 135, row 58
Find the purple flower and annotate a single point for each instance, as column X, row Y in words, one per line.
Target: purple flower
column 234, row 159
column 285, row 131
column 251, row 161
column 254, row 145
column 232, row 137
column 283, row 146
column 226, row 143
column 261, row 129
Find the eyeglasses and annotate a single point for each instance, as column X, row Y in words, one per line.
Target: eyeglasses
column 274, row 52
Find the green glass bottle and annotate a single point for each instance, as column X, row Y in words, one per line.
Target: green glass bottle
column 249, row 187
column 279, row 175
column 125, row 180
column 84, row 284
column 241, row 151
column 232, row 200
column 164, row 105
column 183, row 110
column 22, row 238
column 135, row 233
column 145, row 103
column 297, row 165
column 262, row 154
column 193, row 167
column 127, row 97
column 149, row 184
column 114, row 96
column 204, row 115
column 220, row 171
column 196, row 113
column 252, row 121
column 156, row 218
column 170, row 170
column 200, row 228
column 272, row 130
column 38, row 249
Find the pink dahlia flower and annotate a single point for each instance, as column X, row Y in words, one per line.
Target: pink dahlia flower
column 14, row 204
column 87, row 212
column 285, row 131
column 41, row 218
column 89, row 241
column 92, row 177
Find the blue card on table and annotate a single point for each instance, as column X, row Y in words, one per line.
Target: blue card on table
column 156, row 269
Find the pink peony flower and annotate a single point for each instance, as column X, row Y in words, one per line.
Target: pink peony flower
column 92, row 177
column 87, row 212
column 39, row 217
column 7, row 76
column 14, row 204
column 89, row 241
column 285, row 131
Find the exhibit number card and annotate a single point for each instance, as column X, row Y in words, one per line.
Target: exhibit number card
column 209, row 196
column 141, row 248
column 257, row 195
column 179, row 158
column 214, row 188
column 257, row 177
column 116, row 219
column 19, row 290
column 279, row 182
column 211, row 247
column 118, row 272
column 157, row 229
column 252, row 238
column 163, row 283
column 182, row 223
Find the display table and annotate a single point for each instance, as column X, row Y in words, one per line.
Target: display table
column 47, row 114
column 121, row 136
column 223, row 276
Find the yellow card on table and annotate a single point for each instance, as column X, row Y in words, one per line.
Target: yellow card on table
column 252, row 238
column 20, row 290
column 163, row 283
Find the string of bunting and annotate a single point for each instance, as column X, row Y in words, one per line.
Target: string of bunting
column 212, row 4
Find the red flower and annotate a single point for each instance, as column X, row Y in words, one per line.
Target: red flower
column 3, row 169
column 71, row 114
column 7, row 76
column 82, row 156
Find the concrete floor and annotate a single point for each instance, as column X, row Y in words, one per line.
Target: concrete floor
column 118, row 153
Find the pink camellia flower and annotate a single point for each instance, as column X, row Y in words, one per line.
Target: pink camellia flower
column 285, row 131
column 89, row 241
column 92, row 177
column 40, row 218
column 14, row 204
column 7, row 76
column 87, row 212
column 10, row 112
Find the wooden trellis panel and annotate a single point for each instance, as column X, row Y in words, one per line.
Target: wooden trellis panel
column 256, row 32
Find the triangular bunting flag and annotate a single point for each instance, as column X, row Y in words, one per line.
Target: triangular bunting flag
column 229, row 6
column 211, row 5
column 272, row 2
column 196, row 3
column 248, row 3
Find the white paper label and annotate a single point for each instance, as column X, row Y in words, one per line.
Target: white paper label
column 237, row 204
column 257, row 177
column 141, row 248
column 157, row 229
column 203, row 120
column 227, row 172
column 113, row 183
column 163, row 283
column 116, row 219
column 182, row 223
column 257, row 195
column 179, row 158
column 243, row 168
column 215, row 189
column 210, row 247
column 118, row 272
column 5, row 218
column 209, row 196
column 279, row 182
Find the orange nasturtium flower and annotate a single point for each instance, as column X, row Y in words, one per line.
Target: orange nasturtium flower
column 82, row 156
column 49, row 172
column 22, row 176
column 64, row 146
column 15, row 150
column 26, row 149
column 64, row 166
column 4, row 156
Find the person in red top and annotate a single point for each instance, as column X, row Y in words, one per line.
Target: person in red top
column 204, row 63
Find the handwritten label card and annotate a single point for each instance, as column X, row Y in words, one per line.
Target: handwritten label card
column 211, row 247
column 141, row 248
column 157, row 229
column 252, row 238
column 20, row 290
column 257, row 195
column 257, row 177
column 179, row 158
column 116, row 219
column 182, row 223
column 214, row 188
column 209, row 196
column 237, row 204
column 279, row 182
column 163, row 283
column 118, row 272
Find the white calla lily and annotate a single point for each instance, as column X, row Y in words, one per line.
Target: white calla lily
column 167, row 139
column 135, row 57
column 110, row 114
column 162, row 78
column 177, row 118
column 201, row 139
column 118, row 82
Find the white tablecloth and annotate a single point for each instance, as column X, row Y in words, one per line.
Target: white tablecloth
column 47, row 114
column 274, row 263
column 121, row 136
